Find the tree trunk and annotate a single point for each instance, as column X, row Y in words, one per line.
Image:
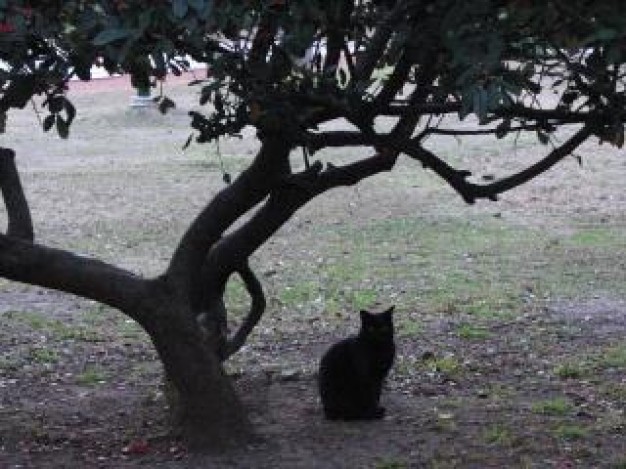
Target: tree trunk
column 207, row 412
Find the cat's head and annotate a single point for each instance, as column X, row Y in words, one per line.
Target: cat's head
column 377, row 326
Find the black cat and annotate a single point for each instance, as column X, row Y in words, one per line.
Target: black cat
column 352, row 371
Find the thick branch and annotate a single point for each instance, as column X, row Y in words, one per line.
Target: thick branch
column 18, row 212
column 257, row 308
column 340, row 138
column 394, row 83
column 34, row 264
column 263, row 39
column 251, row 187
column 425, row 76
column 469, row 191
column 296, row 191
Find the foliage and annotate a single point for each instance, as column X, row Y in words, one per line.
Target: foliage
column 298, row 64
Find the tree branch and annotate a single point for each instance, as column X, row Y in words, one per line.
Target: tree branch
column 18, row 213
column 394, row 83
column 24, row 261
column 469, row 191
column 251, row 187
column 284, row 201
column 340, row 138
column 257, row 308
column 459, row 132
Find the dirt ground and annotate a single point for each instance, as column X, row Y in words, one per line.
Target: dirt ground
column 538, row 383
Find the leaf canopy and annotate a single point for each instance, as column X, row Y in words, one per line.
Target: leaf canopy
column 290, row 65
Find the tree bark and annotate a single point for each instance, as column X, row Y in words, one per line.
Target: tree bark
column 206, row 411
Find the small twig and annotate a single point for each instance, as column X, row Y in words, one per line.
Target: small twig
column 37, row 113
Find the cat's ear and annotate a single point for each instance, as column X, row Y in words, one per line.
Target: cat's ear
column 390, row 310
column 365, row 315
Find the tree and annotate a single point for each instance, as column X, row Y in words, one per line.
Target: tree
column 286, row 68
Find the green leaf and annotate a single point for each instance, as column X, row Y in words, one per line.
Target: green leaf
column 20, row 91
column 70, row 110
column 180, row 8
column 63, row 128
column 48, row 122
column 55, row 104
column 503, row 128
column 111, row 35
column 166, row 104
column 197, row 5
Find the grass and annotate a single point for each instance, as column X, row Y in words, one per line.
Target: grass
column 558, row 406
column 363, row 299
column 43, row 355
column 407, row 327
column 570, row 370
column 465, row 276
column 571, row 432
column 612, row 357
column 91, row 377
column 607, row 357
column 472, row 332
column 597, row 236
column 497, row 435
column 448, row 365
column 298, row 294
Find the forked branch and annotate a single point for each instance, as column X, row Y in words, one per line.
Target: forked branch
column 470, row 191
column 26, row 262
column 251, row 187
column 294, row 192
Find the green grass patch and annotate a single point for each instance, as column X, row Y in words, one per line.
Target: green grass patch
column 497, row 435
column 363, row 299
column 571, row 432
column 91, row 377
column 407, row 327
column 558, row 406
column 448, row 365
column 612, row 357
column 481, row 266
column 129, row 329
column 571, row 370
column 54, row 329
column 472, row 332
column 43, row 355
column 595, row 237
column 296, row 295
column 494, row 308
